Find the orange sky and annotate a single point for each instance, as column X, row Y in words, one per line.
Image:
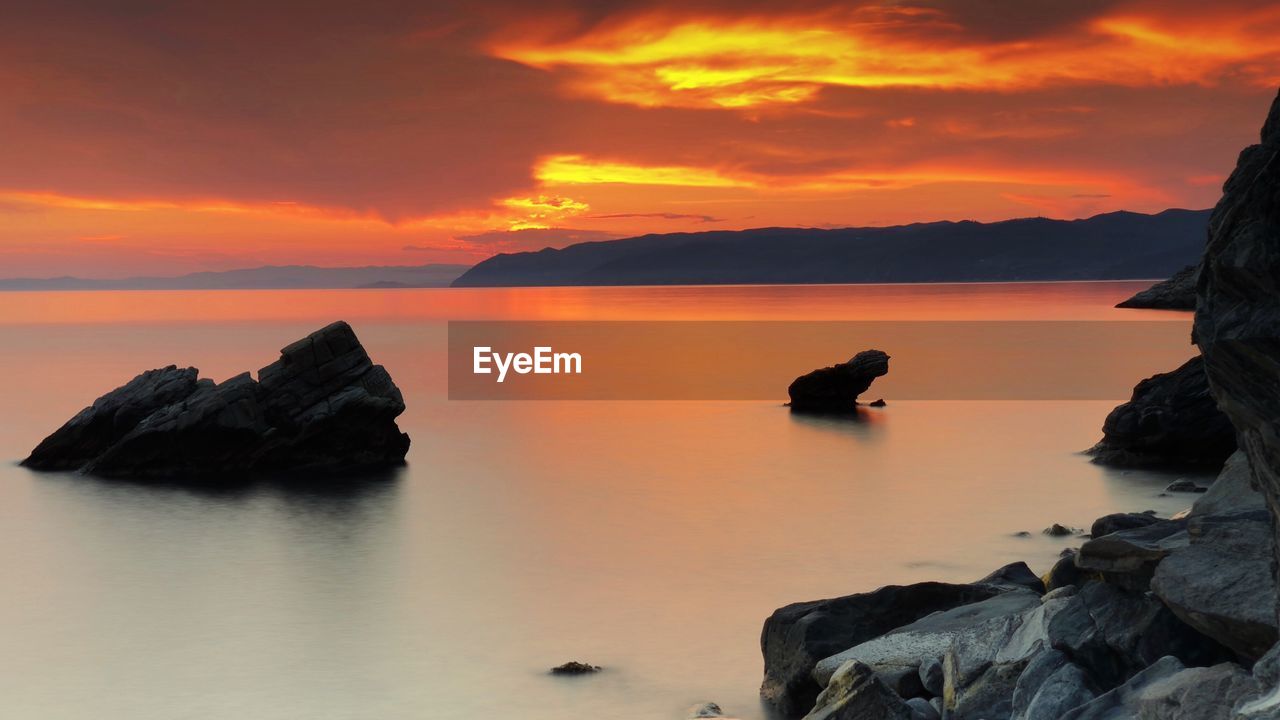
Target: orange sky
column 160, row 138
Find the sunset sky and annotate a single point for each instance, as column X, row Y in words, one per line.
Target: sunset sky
column 167, row 137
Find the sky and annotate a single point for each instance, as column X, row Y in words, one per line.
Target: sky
column 147, row 137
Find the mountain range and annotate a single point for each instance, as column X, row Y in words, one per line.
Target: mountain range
column 272, row 277
column 1112, row 246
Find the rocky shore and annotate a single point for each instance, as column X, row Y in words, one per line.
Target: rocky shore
column 323, row 407
column 1151, row 618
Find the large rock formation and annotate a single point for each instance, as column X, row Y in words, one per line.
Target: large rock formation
column 1176, row 293
column 1171, row 421
column 836, row 389
column 323, row 406
column 1238, row 315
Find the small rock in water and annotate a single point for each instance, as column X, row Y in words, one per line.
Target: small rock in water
column 1022, row 534
column 705, row 710
column 1057, row 530
column 1182, row 485
column 877, row 403
column 573, row 667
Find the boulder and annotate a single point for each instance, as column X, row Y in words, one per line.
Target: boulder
column 1128, row 558
column 1168, row 691
column 1116, row 522
column 1114, row 633
column 1064, row 572
column 931, row 676
column 836, row 389
column 926, row 638
column 1171, row 421
column 855, row 693
column 1014, row 576
column 1221, row 583
column 322, row 407
column 1050, row 686
column 1057, row 530
column 922, row 710
column 1233, row 491
column 797, row 636
column 1176, row 293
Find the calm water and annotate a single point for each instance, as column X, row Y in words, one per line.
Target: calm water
column 652, row 538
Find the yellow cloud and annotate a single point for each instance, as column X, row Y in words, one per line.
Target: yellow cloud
column 579, row 170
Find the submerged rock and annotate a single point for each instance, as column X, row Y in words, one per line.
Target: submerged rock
column 1176, row 293
column 573, row 667
column 836, row 388
column 1056, row 530
column 1171, row 421
column 322, row 407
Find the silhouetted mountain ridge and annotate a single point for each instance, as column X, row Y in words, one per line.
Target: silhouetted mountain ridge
column 1114, row 246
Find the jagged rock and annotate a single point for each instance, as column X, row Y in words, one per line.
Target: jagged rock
column 1128, row 558
column 1014, row 576
column 855, row 693
column 1233, row 491
column 877, row 403
column 1114, row 633
column 797, row 636
column 96, row 428
column 922, row 710
column 1168, row 691
column 1171, row 421
column 1176, row 293
column 1064, row 572
column 1049, row 686
column 1116, row 522
column 573, row 667
column 929, row 637
column 1056, row 530
column 931, row 676
column 836, row 388
column 1221, row 583
column 322, row 407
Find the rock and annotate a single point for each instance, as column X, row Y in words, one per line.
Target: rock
column 937, row 705
column 1114, row 633
column 1022, row 534
column 922, row 710
column 1049, row 686
column 1116, row 522
column 877, row 403
column 1168, row 691
column 1064, row 572
column 1014, row 576
column 322, row 407
column 1171, row 421
column 797, row 636
column 1056, row 530
column 931, row 676
column 1221, row 583
column 1128, row 558
column 573, row 667
column 101, row 425
column 929, row 637
column 1233, row 491
column 855, row 693
column 1182, row 486
column 1176, row 293
column 705, row 710
column 836, row 388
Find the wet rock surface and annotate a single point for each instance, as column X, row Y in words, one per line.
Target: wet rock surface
column 322, row 407
column 1176, row 293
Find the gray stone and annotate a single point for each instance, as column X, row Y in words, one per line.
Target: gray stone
column 1056, row 530
column 797, row 636
column 929, row 637
column 322, row 407
column 922, row 710
column 1221, row 584
column 931, row 676
column 1014, row 576
column 1064, row 572
column 1171, row 421
column 1067, row 688
column 855, row 693
column 1233, row 491
column 1176, row 293
column 1168, row 691
column 836, row 388
column 1116, row 522
column 705, row 710
column 1129, row 557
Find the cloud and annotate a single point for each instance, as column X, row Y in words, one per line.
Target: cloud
column 658, row 216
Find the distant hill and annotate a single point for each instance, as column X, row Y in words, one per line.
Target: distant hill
column 275, row 277
column 1114, row 246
